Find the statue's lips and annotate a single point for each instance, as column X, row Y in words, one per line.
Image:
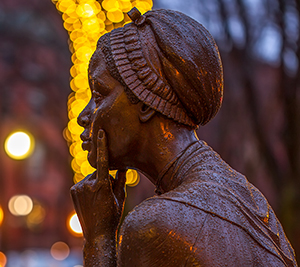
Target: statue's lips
column 86, row 145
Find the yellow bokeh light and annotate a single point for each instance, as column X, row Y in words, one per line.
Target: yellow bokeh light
column 77, row 24
column 125, row 5
column 115, row 15
column 73, row 86
column 85, row 10
column 20, row 205
column 60, row 251
column 113, row 173
column 81, row 157
column 132, row 178
column 73, row 71
column 84, row 54
column 69, row 20
column 62, row 6
column 85, row 22
column 71, row 10
column 1, row 215
column 75, row 148
column 77, row 106
column 67, row 135
column 83, row 94
column 76, row 34
column 77, row 177
column 36, row 216
column 75, row 167
column 101, row 15
column 86, row 168
column 73, row 224
column 19, row 145
column 3, row 259
column 74, row 127
column 109, row 4
column 92, row 26
column 76, row 137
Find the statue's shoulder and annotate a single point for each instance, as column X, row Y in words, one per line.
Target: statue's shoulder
column 156, row 229
column 161, row 213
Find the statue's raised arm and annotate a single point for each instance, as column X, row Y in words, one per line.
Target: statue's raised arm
column 153, row 82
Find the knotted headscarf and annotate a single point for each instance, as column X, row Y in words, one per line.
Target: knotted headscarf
column 168, row 61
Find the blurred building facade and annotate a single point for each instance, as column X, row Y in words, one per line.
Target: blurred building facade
column 34, row 87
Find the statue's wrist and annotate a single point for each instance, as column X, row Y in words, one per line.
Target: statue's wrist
column 101, row 232
column 108, row 237
column 100, row 251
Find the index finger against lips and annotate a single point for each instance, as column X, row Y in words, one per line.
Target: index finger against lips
column 102, row 159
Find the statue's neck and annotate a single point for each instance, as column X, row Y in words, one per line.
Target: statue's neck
column 174, row 173
column 165, row 181
column 161, row 153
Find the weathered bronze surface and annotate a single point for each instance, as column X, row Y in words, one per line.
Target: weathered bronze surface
column 153, row 82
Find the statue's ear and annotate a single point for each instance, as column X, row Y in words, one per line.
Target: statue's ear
column 146, row 112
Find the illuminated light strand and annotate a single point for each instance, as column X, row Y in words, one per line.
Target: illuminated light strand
column 86, row 21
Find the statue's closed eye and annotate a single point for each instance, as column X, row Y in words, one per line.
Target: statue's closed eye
column 97, row 96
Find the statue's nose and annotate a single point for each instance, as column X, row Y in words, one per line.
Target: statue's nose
column 84, row 118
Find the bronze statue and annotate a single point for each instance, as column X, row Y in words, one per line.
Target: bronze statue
column 153, row 82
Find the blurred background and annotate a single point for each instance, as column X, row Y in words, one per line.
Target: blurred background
column 44, row 52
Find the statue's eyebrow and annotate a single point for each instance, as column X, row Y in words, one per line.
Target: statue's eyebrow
column 103, row 85
column 96, row 79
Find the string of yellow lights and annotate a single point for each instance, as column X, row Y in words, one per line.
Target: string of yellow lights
column 86, row 21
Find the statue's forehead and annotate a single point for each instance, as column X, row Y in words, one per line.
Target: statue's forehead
column 97, row 64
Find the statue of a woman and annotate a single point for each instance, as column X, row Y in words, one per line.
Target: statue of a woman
column 153, row 82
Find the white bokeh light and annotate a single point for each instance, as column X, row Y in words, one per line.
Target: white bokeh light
column 19, row 145
column 20, row 205
column 74, row 224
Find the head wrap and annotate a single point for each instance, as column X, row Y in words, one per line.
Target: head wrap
column 168, row 61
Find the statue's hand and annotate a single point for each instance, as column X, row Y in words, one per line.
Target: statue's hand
column 99, row 199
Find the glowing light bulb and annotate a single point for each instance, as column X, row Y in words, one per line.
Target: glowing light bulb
column 19, row 145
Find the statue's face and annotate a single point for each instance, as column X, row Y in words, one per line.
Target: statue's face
column 109, row 109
